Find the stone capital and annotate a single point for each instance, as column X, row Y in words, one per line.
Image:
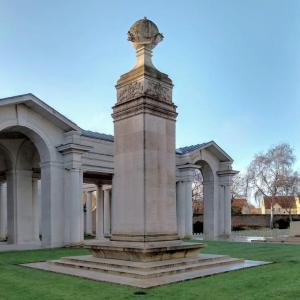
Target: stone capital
column 73, row 154
column 186, row 173
column 225, row 177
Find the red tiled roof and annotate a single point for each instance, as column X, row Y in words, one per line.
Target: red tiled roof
column 239, row 202
column 283, row 201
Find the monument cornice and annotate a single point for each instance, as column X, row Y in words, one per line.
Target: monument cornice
column 227, row 173
column 73, row 148
column 143, row 105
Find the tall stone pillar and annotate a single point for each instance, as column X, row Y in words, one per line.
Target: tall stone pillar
column 144, row 126
column 99, row 214
column 3, row 210
column 88, row 214
column 211, row 207
column 180, row 203
column 107, row 211
column 185, row 201
column 52, row 202
column 36, row 203
column 73, row 179
column 21, row 210
column 225, row 182
column 144, row 218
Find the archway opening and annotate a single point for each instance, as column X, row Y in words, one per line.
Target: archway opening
column 21, row 153
column 203, row 200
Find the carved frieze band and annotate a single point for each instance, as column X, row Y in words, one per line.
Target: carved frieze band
column 149, row 88
column 144, row 105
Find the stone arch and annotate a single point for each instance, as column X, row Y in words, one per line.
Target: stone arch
column 216, row 167
column 6, row 158
column 38, row 138
column 34, row 157
column 28, row 156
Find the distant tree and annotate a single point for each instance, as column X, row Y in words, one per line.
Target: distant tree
column 197, row 192
column 271, row 174
column 239, row 187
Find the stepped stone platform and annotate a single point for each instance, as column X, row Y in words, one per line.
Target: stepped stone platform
column 146, row 270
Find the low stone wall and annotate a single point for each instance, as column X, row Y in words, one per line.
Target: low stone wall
column 249, row 221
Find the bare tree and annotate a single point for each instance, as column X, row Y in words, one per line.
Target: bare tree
column 198, row 186
column 197, row 192
column 271, row 174
column 239, row 187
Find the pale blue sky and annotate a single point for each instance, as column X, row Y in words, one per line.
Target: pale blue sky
column 235, row 64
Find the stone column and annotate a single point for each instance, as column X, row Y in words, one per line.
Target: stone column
column 99, row 214
column 21, row 210
column 107, row 212
column 11, row 208
column 227, row 210
column 185, row 200
column 180, row 209
column 88, row 214
column 225, row 182
column 73, row 206
column 36, row 208
column 210, row 211
column 3, row 210
column 52, row 200
column 72, row 152
column 188, row 210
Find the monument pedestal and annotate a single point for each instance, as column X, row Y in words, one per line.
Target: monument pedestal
column 144, row 251
column 145, row 266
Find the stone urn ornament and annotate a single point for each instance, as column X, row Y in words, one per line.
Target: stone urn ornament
column 144, row 36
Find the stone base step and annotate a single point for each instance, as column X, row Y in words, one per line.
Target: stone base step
column 144, row 282
column 140, row 272
column 144, row 265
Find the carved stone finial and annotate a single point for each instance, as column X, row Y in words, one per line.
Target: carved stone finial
column 144, row 33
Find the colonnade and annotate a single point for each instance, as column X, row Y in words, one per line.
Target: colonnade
column 97, row 220
column 98, row 217
column 101, row 226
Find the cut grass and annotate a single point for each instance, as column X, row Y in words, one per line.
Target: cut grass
column 280, row 280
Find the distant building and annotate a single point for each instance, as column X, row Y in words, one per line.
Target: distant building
column 282, row 205
column 240, row 206
column 256, row 211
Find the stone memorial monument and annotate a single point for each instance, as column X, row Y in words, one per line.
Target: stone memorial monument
column 144, row 249
column 144, row 224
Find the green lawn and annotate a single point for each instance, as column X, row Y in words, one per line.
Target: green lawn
column 280, row 280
